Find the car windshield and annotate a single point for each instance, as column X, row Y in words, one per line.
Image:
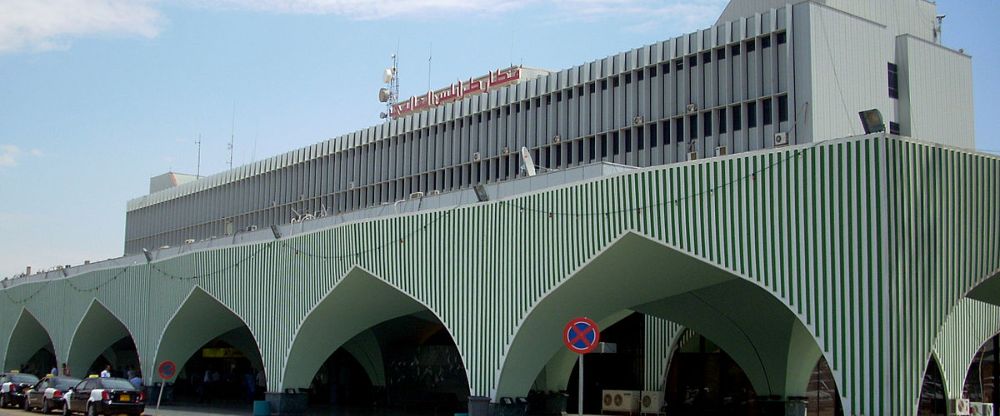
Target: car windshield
column 63, row 383
column 23, row 378
column 117, row 384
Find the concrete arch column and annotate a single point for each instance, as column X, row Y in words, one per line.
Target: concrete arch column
column 27, row 338
column 95, row 333
column 199, row 319
column 754, row 326
column 358, row 302
column 970, row 324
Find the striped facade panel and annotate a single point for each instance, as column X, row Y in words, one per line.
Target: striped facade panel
column 660, row 339
column 845, row 233
column 944, row 222
column 970, row 325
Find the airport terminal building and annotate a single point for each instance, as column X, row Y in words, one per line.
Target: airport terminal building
column 713, row 201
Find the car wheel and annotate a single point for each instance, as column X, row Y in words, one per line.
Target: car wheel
column 45, row 406
column 91, row 410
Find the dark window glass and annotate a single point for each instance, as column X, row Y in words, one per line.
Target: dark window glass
column 706, row 123
column 782, row 38
column 767, row 112
column 628, row 79
column 665, row 68
column 679, row 127
column 604, row 146
column 752, row 115
column 616, row 81
column 783, row 108
column 640, row 75
column 604, row 84
column 641, row 138
column 652, row 136
column 893, row 127
column 722, row 121
column 666, row 131
column 569, row 94
column 579, row 150
column 893, row 81
column 734, row 50
column 737, row 118
column 652, row 71
column 693, row 127
column 614, row 143
column 692, row 61
column 751, row 45
column 765, row 42
column 720, row 54
column 628, row 141
column 559, row 97
column 593, row 87
column 679, row 64
column 593, row 148
column 706, row 57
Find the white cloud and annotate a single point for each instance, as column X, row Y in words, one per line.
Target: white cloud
column 8, row 155
column 36, row 25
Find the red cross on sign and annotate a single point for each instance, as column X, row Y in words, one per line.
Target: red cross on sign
column 581, row 335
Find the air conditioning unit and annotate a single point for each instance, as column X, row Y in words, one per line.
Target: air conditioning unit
column 475, row 157
column 556, row 139
column 417, row 195
column 691, row 108
column 506, row 150
column 652, row 402
column 189, row 241
column 781, row 139
column 692, row 155
column 721, row 151
column 981, row 409
column 637, row 120
column 620, row 401
column 959, row 407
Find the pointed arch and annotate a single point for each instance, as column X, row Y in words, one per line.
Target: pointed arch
column 95, row 333
column 359, row 301
column 655, row 279
column 27, row 337
column 200, row 318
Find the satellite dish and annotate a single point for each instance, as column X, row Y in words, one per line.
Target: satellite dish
column 388, row 75
column 384, row 95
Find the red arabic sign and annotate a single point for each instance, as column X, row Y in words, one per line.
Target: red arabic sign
column 457, row 91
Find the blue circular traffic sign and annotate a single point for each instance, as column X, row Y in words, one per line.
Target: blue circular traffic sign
column 167, row 369
column 581, row 335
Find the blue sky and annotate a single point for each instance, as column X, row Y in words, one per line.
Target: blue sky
column 96, row 96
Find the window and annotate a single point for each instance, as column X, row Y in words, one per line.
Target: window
column 782, row 38
column 665, row 68
column 628, row 141
column 751, row 45
column 752, row 115
column 706, row 57
column 722, row 121
column 693, row 126
column 604, row 146
column 720, row 54
column 767, row 112
column 679, row 64
column 640, row 75
column 893, row 81
column 706, row 123
column 692, row 61
column 652, row 71
column 614, row 143
column 604, row 85
column 616, row 81
column 652, row 136
column 893, row 127
column 783, row 108
column 593, row 87
column 628, row 79
column 579, row 150
column 593, row 148
column 765, row 42
column 734, row 50
column 679, row 129
column 737, row 118
column 641, row 138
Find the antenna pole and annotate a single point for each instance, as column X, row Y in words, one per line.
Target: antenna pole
column 232, row 136
column 198, row 142
column 430, row 57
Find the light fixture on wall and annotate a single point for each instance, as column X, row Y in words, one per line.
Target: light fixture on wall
column 871, row 120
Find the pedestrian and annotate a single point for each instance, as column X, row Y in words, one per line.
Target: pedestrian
column 65, row 370
column 54, row 371
column 136, row 380
column 107, row 371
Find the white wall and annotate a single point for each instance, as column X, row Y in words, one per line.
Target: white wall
column 935, row 93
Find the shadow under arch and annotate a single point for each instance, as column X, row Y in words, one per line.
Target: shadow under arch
column 755, row 327
column 933, row 396
column 357, row 303
column 27, row 338
column 98, row 330
column 199, row 319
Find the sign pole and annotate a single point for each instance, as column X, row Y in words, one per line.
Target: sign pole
column 579, row 403
column 159, row 397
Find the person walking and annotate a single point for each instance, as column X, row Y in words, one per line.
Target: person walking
column 136, row 381
column 65, row 370
column 107, row 371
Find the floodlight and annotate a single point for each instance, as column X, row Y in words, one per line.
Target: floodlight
column 481, row 194
column 149, row 256
column 872, row 121
column 275, row 231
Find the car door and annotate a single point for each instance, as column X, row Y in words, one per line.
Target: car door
column 36, row 393
column 78, row 401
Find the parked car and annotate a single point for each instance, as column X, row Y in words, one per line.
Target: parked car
column 13, row 386
column 48, row 393
column 104, row 396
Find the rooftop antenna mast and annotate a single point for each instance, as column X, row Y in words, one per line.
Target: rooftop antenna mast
column 198, row 142
column 232, row 137
column 389, row 93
